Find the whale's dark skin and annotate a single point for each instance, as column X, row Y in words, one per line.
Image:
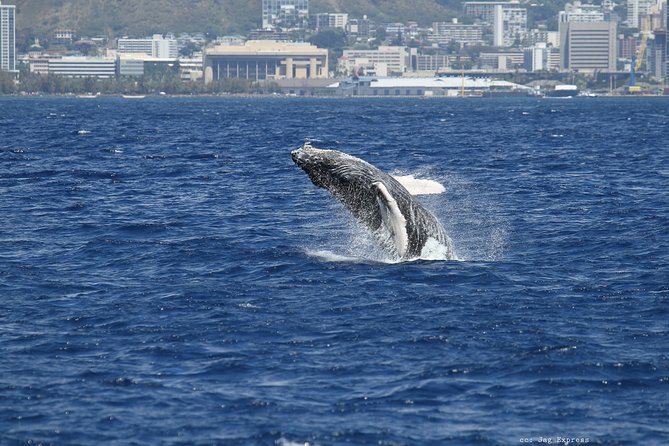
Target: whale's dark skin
column 376, row 199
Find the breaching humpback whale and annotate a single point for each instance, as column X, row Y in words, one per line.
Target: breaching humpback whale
column 401, row 225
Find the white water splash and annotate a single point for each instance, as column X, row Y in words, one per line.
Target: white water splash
column 434, row 250
column 329, row 256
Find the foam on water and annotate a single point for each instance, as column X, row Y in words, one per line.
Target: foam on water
column 329, row 256
column 434, row 250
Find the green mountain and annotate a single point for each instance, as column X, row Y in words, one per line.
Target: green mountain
column 144, row 17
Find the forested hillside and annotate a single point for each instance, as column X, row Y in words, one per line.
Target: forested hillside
column 143, row 17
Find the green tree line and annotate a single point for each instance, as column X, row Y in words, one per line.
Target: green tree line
column 170, row 84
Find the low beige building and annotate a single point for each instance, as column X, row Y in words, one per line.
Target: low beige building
column 265, row 59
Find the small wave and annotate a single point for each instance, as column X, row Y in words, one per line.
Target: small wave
column 430, row 252
column 83, row 132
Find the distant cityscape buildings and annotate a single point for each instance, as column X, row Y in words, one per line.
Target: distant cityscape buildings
column 489, row 37
column 7, row 37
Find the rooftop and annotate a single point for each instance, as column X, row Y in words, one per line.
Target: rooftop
column 262, row 47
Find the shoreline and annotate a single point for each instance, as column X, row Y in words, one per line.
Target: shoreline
column 293, row 96
column 275, row 95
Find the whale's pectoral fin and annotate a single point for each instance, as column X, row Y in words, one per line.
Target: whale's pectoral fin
column 392, row 217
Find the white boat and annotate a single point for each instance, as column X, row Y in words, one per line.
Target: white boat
column 563, row 91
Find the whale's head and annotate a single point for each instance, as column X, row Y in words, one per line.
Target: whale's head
column 329, row 169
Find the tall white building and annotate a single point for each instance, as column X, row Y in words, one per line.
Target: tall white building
column 538, row 57
column 285, row 13
column 7, row 37
column 157, row 47
column 579, row 12
column 486, row 10
column 509, row 25
column 636, row 10
column 498, row 26
column 515, row 25
column 447, row 32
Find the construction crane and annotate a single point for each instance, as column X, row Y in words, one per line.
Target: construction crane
column 637, row 59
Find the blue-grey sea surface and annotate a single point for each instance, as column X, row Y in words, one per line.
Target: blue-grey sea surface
column 169, row 276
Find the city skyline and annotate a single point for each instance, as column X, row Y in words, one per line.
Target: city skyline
column 494, row 37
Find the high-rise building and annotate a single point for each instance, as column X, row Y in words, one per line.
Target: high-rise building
column 588, row 46
column 7, row 37
column 509, row 25
column 285, row 14
column 626, row 47
column 328, row 20
column 538, row 57
column 534, row 36
column 157, row 46
column 666, row 45
column 360, row 28
column 656, row 52
column 447, row 32
column 636, row 9
column 486, row 10
column 498, row 26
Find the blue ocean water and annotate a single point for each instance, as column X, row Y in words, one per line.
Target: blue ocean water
column 169, row 276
